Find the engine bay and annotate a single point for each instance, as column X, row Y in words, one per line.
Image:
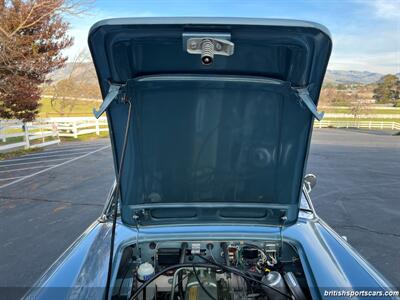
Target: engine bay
column 217, row 270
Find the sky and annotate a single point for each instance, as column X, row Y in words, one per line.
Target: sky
column 366, row 33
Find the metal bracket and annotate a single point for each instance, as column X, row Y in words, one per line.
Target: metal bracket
column 306, row 99
column 208, row 45
column 113, row 92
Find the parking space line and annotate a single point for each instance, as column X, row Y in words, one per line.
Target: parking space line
column 52, row 167
column 9, row 178
column 33, row 162
column 22, row 169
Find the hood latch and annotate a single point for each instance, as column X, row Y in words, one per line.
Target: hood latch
column 208, row 45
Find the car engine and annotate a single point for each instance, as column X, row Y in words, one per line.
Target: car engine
column 222, row 270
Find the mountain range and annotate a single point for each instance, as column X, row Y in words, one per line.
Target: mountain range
column 364, row 77
column 332, row 76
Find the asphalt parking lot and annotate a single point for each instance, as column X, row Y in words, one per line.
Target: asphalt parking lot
column 358, row 192
column 47, row 199
column 43, row 213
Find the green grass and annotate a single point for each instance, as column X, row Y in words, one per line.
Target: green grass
column 373, row 111
column 16, row 153
column 85, row 137
column 18, row 139
column 80, row 109
column 12, row 140
column 362, row 120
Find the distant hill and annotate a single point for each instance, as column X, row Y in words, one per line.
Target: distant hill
column 332, row 76
column 365, row 77
column 81, row 69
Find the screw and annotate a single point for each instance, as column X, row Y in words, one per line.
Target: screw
column 218, row 46
column 193, row 45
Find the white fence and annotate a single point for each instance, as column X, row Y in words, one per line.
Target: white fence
column 359, row 124
column 27, row 135
column 44, row 132
column 76, row 126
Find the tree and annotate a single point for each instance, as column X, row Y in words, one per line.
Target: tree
column 80, row 83
column 358, row 106
column 388, row 89
column 330, row 95
column 32, row 35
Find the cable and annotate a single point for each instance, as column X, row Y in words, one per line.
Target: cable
column 183, row 278
column 211, row 253
column 201, row 285
column 203, row 265
column 116, row 194
column 244, row 275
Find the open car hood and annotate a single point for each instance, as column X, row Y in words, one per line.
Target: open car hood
column 223, row 143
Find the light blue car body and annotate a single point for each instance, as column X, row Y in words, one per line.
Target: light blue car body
column 329, row 262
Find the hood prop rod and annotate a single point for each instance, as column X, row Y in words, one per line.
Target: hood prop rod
column 112, row 94
column 305, row 98
column 116, row 197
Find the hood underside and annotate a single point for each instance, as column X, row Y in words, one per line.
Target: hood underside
column 219, row 143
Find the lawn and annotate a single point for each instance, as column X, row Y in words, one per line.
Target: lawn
column 373, row 111
column 85, row 137
column 17, row 153
column 81, row 109
column 363, row 119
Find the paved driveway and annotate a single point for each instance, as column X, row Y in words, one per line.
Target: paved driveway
column 42, row 214
column 358, row 192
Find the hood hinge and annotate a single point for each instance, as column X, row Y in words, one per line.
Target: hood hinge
column 112, row 94
column 305, row 98
column 140, row 215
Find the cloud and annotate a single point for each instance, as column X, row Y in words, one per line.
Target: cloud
column 379, row 62
column 385, row 9
column 366, row 38
column 375, row 50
